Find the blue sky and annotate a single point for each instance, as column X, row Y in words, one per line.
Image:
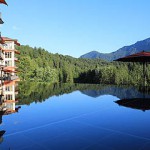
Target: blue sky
column 75, row 27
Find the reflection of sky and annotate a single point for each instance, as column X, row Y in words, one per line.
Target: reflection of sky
column 77, row 121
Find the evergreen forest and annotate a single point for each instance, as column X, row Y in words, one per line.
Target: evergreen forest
column 37, row 64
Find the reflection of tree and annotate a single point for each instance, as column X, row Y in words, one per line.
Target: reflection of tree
column 38, row 92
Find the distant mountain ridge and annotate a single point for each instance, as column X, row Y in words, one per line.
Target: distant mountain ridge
column 124, row 51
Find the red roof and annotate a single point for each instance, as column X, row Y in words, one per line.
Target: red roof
column 7, row 50
column 3, row 2
column 8, row 39
column 140, row 54
column 9, row 83
column 138, row 57
column 10, row 71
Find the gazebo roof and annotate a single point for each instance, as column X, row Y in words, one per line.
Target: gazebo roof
column 3, row 2
column 138, row 57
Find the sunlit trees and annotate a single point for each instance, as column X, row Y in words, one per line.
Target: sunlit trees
column 39, row 65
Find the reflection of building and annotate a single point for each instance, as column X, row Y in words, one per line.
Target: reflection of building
column 8, row 59
column 8, row 93
column 1, row 135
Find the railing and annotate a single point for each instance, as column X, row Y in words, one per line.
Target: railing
column 10, row 78
column 6, row 47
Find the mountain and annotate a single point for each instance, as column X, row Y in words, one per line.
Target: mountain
column 124, row 51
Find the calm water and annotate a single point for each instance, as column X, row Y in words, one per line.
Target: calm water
column 77, row 117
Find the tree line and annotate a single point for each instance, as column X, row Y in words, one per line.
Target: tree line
column 37, row 64
column 38, row 92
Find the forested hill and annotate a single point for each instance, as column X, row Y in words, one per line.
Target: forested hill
column 124, row 51
column 40, row 65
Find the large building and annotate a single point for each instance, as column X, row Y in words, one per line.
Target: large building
column 8, row 59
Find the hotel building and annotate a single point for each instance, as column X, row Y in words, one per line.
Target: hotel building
column 8, row 59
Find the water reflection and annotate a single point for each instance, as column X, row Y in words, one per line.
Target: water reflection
column 135, row 103
column 120, row 92
column 128, row 96
column 75, row 116
column 39, row 92
column 8, row 94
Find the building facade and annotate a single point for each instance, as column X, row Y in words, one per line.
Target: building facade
column 8, row 59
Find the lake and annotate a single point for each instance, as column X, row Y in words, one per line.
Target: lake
column 75, row 117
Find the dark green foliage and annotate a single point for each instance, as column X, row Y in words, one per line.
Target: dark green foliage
column 30, row 92
column 38, row 92
column 39, row 65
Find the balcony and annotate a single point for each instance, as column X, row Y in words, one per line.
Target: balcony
column 16, row 59
column 17, row 52
column 14, row 77
column 9, row 67
column 5, row 47
column 8, row 46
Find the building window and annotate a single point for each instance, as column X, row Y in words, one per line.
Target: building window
column 8, row 46
column 9, row 88
column 8, row 54
column 10, row 106
column 8, row 63
column 9, row 97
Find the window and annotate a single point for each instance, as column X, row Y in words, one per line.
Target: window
column 8, row 88
column 8, row 46
column 8, row 54
column 9, row 97
column 8, row 63
column 10, row 106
